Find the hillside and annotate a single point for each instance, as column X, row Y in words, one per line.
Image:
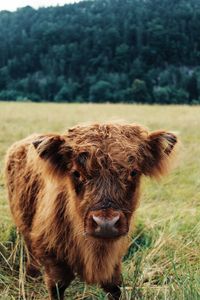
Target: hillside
column 102, row 50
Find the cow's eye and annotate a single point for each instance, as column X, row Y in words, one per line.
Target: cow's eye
column 76, row 174
column 134, row 173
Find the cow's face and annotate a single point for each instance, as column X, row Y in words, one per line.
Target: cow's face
column 103, row 165
column 106, row 189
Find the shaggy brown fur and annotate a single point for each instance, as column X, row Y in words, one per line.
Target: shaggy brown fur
column 59, row 184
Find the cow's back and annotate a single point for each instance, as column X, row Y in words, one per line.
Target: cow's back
column 23, row 183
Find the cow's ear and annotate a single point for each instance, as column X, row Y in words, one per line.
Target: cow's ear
column 159, row 153
column 55, row 150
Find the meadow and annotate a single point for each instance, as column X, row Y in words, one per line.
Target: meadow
column 163, row 261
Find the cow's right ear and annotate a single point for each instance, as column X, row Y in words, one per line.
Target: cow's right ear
column 55, row 150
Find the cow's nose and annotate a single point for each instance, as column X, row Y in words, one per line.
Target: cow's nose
column 106, row 228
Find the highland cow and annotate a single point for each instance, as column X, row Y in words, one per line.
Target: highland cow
column 73, row 197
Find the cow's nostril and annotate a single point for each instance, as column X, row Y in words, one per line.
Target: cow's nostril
column 99, row 221
column 117, row 224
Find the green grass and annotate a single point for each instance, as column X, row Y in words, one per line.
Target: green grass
column 163, row 261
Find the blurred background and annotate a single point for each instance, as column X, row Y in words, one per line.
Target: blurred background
column 144, row 51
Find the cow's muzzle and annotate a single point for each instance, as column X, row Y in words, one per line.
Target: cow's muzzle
column 106, row 223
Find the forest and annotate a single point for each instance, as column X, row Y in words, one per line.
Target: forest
column 133, row 51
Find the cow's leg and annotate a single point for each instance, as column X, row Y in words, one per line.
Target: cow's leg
column 58, row 276
column 113, row 288
column 32, row 265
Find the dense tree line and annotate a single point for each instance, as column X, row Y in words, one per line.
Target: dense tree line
column 104, row 50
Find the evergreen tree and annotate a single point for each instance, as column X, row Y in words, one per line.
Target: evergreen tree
column 95, row 50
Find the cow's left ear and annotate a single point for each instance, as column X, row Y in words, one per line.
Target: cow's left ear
column 55, row 151
column 159, row 154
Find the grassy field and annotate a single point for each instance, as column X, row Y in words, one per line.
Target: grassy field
column 163, row 261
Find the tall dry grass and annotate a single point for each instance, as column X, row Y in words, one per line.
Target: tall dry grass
column 163, row 261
